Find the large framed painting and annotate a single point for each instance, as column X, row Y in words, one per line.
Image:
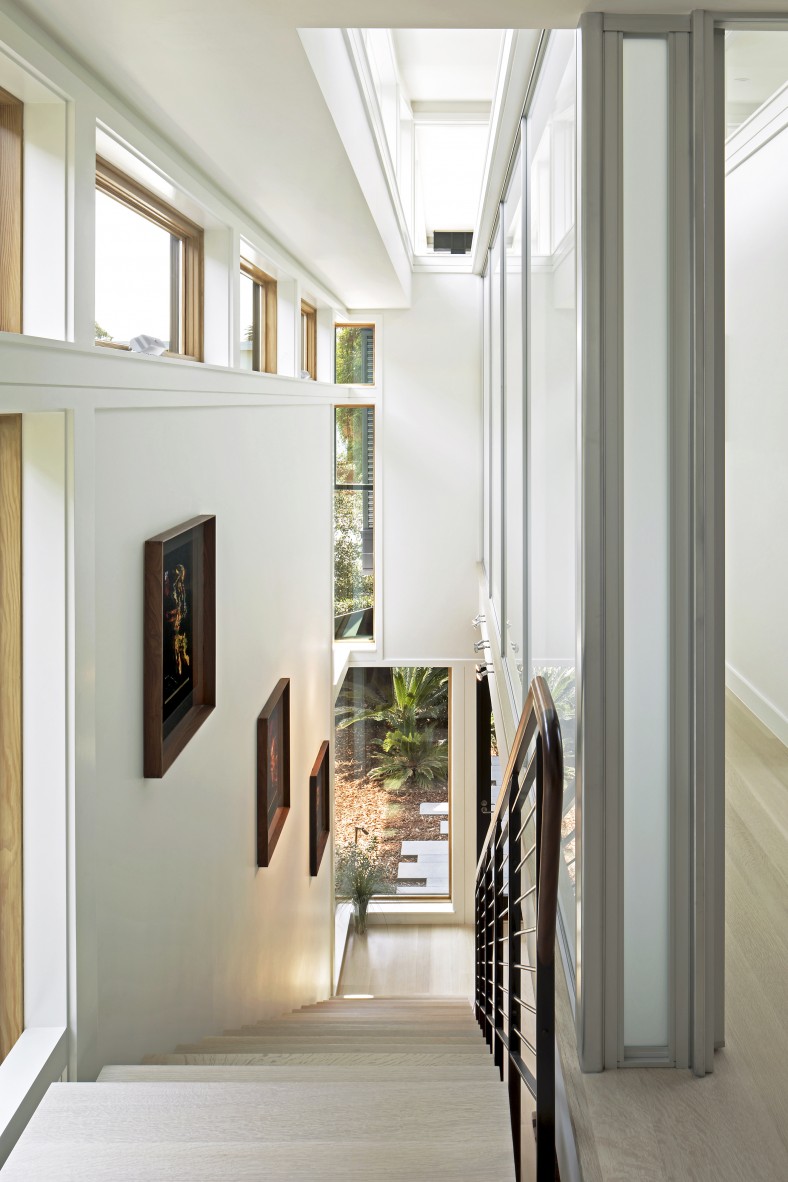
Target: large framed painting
column 179, row 677
column 273, row 770
column 319, row 809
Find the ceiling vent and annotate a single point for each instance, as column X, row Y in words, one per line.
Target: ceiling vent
column 452, row 241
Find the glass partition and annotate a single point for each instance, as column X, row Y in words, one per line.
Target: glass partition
column 513, row 639
column 496, row 431
column 552, row 412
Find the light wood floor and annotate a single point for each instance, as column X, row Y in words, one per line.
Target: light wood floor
column 404, row 960
column 731, row 1126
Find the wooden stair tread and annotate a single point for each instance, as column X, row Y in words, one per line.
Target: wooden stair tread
column 260, row 1112
column 234, row 1043
column 306, row 1073
column 412, row 1059
column 385, row 1161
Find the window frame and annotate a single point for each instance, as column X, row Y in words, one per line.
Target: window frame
column 264, row 329
column 309, row 339
column 11, row 183
column 12, row 1021
column 360, row 324
column 186, row 289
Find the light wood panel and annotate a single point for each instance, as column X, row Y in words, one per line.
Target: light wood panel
column 11, row 116
column 658, row 1125
column 308, row 1073
column 402, row 1130
column 11, row 973
column 408, row 960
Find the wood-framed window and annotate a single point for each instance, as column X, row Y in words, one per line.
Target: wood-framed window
column 258, row 319
column 11, row 940
column 149, row 268
column 309, row 340
column 11, row 125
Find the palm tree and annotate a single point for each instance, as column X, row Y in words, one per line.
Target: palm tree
column 411, row 760
column 416, row 695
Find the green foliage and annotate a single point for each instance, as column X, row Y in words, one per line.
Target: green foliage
column 360, row 874
column 415, row 759
column 416, row 695
column 349, row 355
column 352, row 588
column 101, row 333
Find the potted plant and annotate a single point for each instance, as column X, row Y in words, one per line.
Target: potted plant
column 359, row 877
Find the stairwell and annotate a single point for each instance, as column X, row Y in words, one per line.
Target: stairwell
column 391, row 1088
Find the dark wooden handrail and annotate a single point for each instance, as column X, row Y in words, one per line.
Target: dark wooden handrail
column 531, row 795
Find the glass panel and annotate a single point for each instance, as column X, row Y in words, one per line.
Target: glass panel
column 496, row 429
column 354, row 522
column 133, row 275
column 391, row 788
column 247, row 321
column 552, row 414
column 646, row 541
column 354, row 353
column 514, row 437
column 486, row 426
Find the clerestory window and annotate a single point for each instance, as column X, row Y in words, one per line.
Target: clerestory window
column 149, row 270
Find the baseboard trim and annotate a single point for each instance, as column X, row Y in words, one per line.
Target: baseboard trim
column 764, row 710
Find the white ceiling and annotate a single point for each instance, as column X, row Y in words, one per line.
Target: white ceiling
column 756, row 65
column 230, row 84
column 448, row 65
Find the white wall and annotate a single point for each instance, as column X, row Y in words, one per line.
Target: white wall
column 192, row 937
column 431, row 460
column 757, row 432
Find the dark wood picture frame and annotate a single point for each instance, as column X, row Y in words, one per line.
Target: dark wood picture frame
column 168, row 728
column 273, row 770
column 319, row 809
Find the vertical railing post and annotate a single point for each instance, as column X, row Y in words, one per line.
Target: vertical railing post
column 514, row 974
column 497, row 974
column 545, row 1019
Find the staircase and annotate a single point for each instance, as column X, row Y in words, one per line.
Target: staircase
column 349, row 1089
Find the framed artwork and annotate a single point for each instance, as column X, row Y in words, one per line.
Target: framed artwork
column 319, row 809
column 179, row 676
column 273, row 770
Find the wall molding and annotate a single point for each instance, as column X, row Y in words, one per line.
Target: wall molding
column 763, row 709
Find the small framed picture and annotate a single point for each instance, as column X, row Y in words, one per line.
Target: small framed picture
column 273, row 770
column 319, row 809
column 179, row 645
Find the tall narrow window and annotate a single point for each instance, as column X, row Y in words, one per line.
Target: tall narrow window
column 149, row 266
column 258, row 319
column 11, row 114
column 309, row 340
column 354, row 522
column 354, row 354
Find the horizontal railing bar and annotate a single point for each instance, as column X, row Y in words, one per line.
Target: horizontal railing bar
column 526, row 781
column 530, row 854
column 527, row 1004
column 531, row 812
column 530, row 891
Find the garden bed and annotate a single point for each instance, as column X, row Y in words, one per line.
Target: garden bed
column 392, row 817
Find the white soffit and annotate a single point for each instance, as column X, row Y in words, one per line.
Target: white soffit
column 756, row 66
column 448, row 65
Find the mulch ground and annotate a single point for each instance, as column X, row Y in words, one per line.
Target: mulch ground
column 392, row 817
